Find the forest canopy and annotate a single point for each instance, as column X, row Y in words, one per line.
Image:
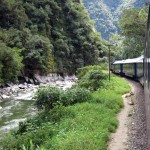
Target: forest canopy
column 46, row 36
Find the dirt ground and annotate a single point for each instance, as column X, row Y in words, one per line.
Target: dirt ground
column 131, row 132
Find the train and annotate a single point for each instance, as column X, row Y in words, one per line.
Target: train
column 133, row 68
column 139, row 69
column 146, row 69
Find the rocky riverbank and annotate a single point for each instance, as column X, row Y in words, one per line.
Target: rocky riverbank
column 27, row 90
column 16, row 102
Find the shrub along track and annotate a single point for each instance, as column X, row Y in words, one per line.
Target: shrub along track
column 131, row 133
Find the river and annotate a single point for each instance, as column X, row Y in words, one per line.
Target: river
column 13, row 111
column 21, row 106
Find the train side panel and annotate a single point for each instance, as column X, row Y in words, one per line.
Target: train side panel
column 133, row 70
column 116, row 68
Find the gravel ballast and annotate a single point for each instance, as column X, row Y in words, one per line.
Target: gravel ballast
column 137, row 137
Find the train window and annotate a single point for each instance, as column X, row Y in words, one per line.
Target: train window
column 128, row 69
column 139, row 70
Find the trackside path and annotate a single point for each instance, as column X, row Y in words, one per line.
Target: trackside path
column 131, row 132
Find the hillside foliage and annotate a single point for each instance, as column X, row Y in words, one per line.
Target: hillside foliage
column 123, row 23
column 130, row 42
column 48, row 36
column 106, row 13
column 133, row 28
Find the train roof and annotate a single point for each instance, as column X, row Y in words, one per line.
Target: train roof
column 130, row 61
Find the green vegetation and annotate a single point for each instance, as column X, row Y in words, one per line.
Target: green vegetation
column 52, row 35
column 47, row 98
column 75, row 119
column 133, row 25
column 130, row 42
column 106, row 13
column 10, row 63
column 123, row 23
column 91, row 77
column 47, row 36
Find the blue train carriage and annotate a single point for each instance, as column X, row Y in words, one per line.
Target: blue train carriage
column 117, row 67
column 130, row 67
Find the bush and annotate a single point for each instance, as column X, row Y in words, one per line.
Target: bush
column 76, row 95
column 81, row 72
column 93, row 80
column 91, row 77
column 47, row 98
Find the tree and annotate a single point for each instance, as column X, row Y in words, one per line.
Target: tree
column 117, row 50
column 38, row 53
column 55, row 35
column 133, row 25
column 10, row 63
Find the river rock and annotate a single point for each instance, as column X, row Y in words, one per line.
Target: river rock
column 37, row 82
column 30, row 81
column 21, row 87
column 26, row 79
column 20, row 90
column 8, row 84
column 4, row 96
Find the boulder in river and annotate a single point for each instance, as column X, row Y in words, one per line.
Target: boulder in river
column 4, row 96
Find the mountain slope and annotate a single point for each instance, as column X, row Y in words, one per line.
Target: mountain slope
column 106, row 13
column 50, row 36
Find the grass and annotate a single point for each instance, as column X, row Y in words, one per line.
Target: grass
column 90, row 128
column 82, row 126
column 87, row 130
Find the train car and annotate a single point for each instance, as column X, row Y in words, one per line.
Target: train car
column 147, row 77
column 116, row 67
column 130, row 67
